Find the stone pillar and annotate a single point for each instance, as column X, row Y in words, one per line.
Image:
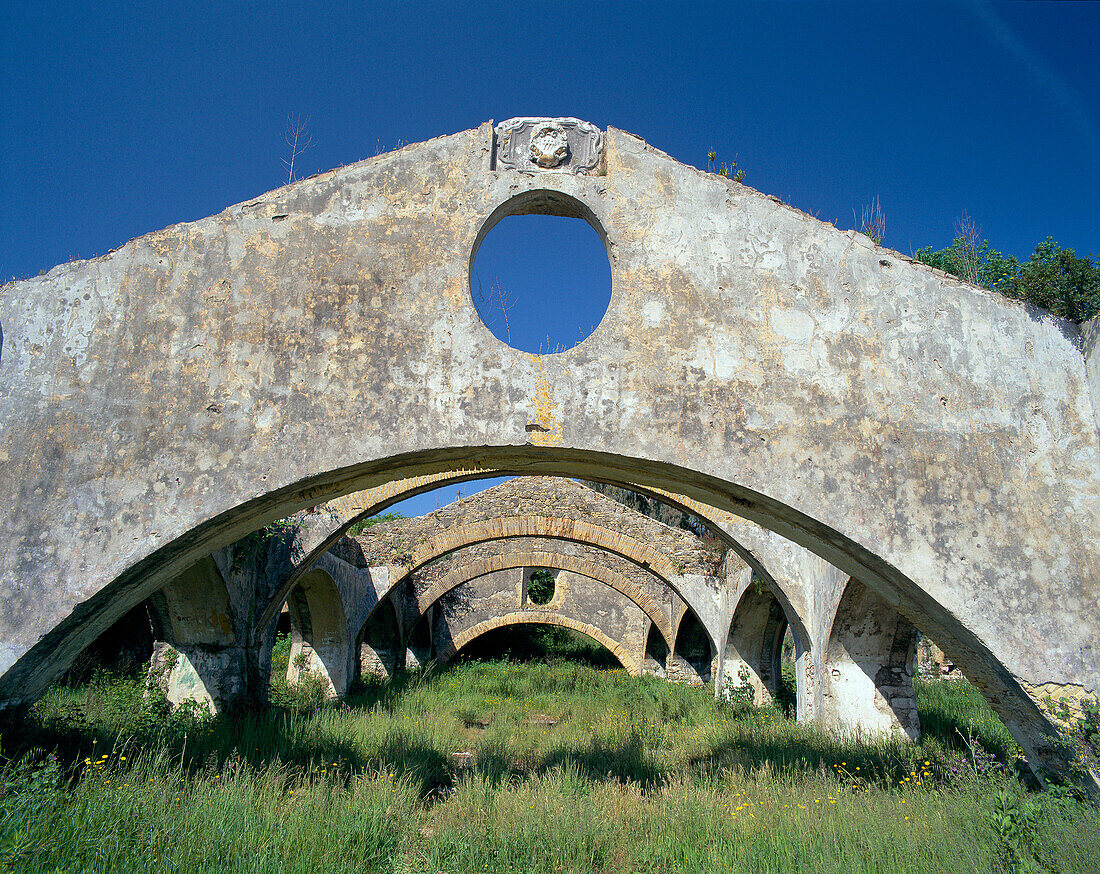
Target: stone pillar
column 867, row 681
column 753, row 645
column 209, row 648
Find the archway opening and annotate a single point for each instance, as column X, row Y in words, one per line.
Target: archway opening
column 693, row 655
column 318, row 652
column 786, row 693
column 380, row 649
column 124, row 650
column 751, row 665
column 531, row 642
column 541, row 283
column 419, row 645
column 540, row 586
column 656, row 653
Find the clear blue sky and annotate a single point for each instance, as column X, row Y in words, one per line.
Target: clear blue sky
column 117, row 119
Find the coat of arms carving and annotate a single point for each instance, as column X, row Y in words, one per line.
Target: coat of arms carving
column 566, row 145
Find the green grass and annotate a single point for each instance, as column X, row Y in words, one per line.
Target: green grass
column 513, row 767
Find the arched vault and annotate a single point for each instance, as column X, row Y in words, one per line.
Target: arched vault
column 543, row 559
column 541, row 617
column 933, row 440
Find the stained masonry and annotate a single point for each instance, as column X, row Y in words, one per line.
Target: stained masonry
column 839, row 411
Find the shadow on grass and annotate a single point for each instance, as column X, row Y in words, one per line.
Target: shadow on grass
column 953, row 711
column 861, row 762
column 85, row 725
column 625, row 762
column 82, row 723
column 386, row 694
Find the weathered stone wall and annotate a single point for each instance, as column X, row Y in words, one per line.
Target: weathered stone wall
column 1090, row 342
column 931, row 439
column 933, row 663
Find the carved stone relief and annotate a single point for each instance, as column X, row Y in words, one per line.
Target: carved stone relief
column 563, row 145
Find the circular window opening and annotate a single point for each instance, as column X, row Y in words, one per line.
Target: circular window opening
column 541, row 283
column 540, row 586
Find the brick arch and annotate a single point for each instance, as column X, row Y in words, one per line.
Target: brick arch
column 534, row 617
column 357, row 506
column 593, row 571
column 553, row 528
column 362, row 504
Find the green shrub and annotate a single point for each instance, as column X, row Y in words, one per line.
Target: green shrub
column 1053, row 278
column 362, row 525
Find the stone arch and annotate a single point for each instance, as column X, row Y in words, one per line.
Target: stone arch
column 381, row 645
column 867, row 682
column 543, row 526
column 352, row 508
column 752, row 358
column 692, row 658
column 577, row 597
column 539, row 617
column 754, row 643
column 530, row 559
column 1009, row 700
column 320, row 631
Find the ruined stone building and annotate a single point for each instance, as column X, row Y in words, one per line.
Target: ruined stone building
column 876, row 446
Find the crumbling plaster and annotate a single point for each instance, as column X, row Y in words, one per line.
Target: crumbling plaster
column 934, row 440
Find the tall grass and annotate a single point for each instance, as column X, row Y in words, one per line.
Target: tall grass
column 509, row 767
